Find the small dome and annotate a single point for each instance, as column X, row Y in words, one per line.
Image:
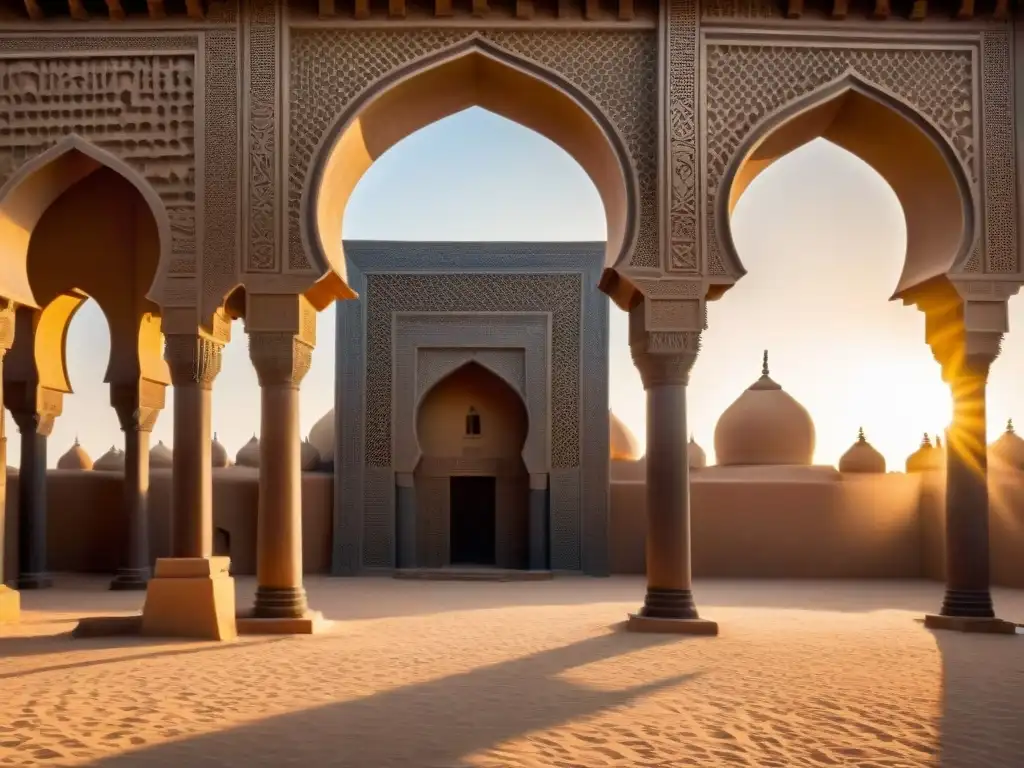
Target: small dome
column 249, row 456
column 322, row 437
column 160, row 457
column 764, row 426
column 111, row 461
column 926, row 458
column 309, row 456
column 862, row 457
column 622, row 443
column 695, row 455
column 219, row 454
column 75, row 458
column 1008, row 450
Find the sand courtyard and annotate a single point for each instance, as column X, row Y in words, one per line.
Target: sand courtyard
column 522, row 675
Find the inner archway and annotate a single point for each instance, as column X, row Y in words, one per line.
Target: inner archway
column 471, row 483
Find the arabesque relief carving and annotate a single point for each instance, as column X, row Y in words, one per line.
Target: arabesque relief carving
column 682, row 53
column 263, row 183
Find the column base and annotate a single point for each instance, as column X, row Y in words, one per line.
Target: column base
column 665, row 603
column 130, row 580
column 10, row 605
column 968, row 604
column 190, row 597
column 280, row 603
column 639, row 623
column 310, row 623
column 34, row 581
column 984, row 625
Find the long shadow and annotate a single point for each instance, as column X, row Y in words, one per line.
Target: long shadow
column 134, row 648
column 436, row 724
column 982, row 721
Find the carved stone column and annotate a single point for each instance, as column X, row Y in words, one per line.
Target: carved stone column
column 10, row 600
column 35, row 428
column 965, row 337
column 282, row 360
column 137, row 409
column 664, row 359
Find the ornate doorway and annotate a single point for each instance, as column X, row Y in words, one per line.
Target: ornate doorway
column 472, row 520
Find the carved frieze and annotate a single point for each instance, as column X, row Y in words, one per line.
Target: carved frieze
column 261, row 26
column 682, row 121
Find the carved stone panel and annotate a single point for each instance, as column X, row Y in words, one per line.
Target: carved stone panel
column 329, row 68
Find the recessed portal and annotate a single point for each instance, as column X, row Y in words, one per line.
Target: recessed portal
column 472, row 523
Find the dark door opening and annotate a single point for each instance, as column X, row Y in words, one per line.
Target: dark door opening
column 472, row 520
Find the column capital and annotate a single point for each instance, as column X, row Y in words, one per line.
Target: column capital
column 193, row 359
column 280, row 358
column 664, row 339
column 138, row 404
column 34, row 408
column 7, row 316
column 34, row 421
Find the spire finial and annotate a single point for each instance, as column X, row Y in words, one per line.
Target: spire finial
column 926, row 441
column 860, row 435
column 214, row 435
column 76, row 439
column 764, row 364
column 1009, row 426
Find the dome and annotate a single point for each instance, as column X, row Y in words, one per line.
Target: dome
column 1008, row 450
column 764, row 426
column 219, row 454
column 926, row 458
column 322, row 437
column 622, row 444
column 309, row 456
column 160, row 457
column 862, row 457
column 249, row 456
column 695, row 455
column 75, row 458
column 111, row 461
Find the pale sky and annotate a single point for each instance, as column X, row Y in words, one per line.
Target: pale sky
column 820, row 233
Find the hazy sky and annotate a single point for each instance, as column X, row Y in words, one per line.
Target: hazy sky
column 820, row 233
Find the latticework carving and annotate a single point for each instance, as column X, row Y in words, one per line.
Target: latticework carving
column 740, row 9
column 1000, row 165
column 682, row 120
column 747, row 83
column 558, row 294
column 262, row 29
column 139, row 107
column 329, row 68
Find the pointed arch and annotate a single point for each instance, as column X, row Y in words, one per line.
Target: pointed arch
column 915, row 158
column 474, row 72
column 33, row 188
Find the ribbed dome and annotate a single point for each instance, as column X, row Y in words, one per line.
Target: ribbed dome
column 695, row 455
column 1008, row 450
column 249, row 456
column 764, row 426
column 75, row 458
column 622, row 443
column 309, row 456
column 160, row 457
column 322, row 437
column 926, row 458
column 218, row 453
column 862, row 457
column 111, row 461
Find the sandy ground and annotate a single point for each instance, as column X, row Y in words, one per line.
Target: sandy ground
column 522, row 675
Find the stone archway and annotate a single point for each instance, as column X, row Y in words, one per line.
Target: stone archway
column 474, row 72
column 472, row 487
column 916, row 160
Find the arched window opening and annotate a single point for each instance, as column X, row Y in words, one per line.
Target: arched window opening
column 472, row 423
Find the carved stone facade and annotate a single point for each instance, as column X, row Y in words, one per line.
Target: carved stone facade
column 529, row 312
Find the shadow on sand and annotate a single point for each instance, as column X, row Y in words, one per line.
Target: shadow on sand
column 402, row 728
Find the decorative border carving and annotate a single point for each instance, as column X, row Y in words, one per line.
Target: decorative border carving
column 262, row 76
column 999, row 151
column 682, row 122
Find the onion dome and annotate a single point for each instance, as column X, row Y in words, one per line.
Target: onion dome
column 322, row 437
column 764, row 426
column 111, row 461
column 926, row 458
column 249, row 456
column 695, row 455
column 862, row 457
column 75, row 458
column 1008, row 450
column 622, row 443
column 160, row 457
column 309, row 456
column 218, row 453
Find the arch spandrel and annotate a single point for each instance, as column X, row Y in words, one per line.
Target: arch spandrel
column 928, row 174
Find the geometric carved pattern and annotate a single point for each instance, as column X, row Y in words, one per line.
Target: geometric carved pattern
column 262, row 28
column 682, row 120
column 139, row 107
column 558, row 294
column 617, row 70
column 747, row 83
column 565, row 519
column 1000, row 166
